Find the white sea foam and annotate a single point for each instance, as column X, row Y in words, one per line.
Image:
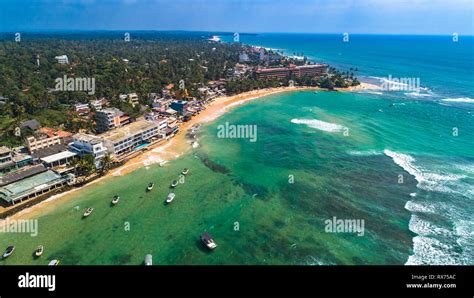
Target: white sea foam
column 425, row 228
column 318, row 124
column 464, row 228
column 430, row 251
column 435, row 244
column 426, row 180
column 368, row 91
column 418, row 94
column 460, row 99
column 364, row 153
column 419, row 207
column 465, row 231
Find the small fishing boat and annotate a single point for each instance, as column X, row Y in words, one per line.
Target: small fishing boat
column 148, row 260
column 54, row 263
column 8, row 252
column 115, row 200
column 88, row 212
column 150, row 186
column 170, row 198
column 174, row 183
column 207, row 240
column 39, row 251
column 185, row 171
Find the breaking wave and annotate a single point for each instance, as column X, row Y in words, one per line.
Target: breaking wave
column 320, row 125
column 418, row 94
column 364, row 153
column 460, row 99
column 430, row 251
column 427, row 180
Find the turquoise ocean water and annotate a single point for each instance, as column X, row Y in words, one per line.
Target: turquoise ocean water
column 401, row 161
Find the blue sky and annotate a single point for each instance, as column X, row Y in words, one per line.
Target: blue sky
column 319, row 16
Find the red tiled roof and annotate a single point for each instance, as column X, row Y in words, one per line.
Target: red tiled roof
column 52, row 132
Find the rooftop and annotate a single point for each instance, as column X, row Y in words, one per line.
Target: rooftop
column 181, row 102
column 4, row 149
column 51, row 150
column 263, row 70
column 21, row 174
column 58, row 156
column 312, row 66
column 115, row 111
column 91, row 139
column 51, row 132
column 32, row 124
column 28, row 185
column 126, row 131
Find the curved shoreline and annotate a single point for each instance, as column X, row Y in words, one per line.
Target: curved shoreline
column 176, row 146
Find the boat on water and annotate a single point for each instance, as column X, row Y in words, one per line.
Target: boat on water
column 88, row 212
column 54, row 263
column 39, row 251
column 170, row 197
column 148, row 260
column 9, row 251
column 207, row 240
column 185, row 171
column 115, row 200
column 150, row 186
column 174, row 183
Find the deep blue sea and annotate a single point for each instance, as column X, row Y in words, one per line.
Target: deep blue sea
column 429, row 134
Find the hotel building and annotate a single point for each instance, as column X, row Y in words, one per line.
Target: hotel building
column 313, row 70
column 47, row 137
column 88, row 144
column 124, row 139
column 110, row 118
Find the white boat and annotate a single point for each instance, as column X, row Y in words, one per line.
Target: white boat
column 174, row 183
column 150, row 186
column 88, row 212
column 170, row 198
column 54, row 263
column 148, row 260
column 206, row 238
column 39, row 251
column 185, row 171
column 8, row 252
column 115, row 200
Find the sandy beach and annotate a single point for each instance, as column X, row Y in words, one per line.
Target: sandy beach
column 179, row 145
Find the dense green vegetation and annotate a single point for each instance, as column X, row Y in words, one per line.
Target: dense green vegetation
column 154, row 61
column 146, row 63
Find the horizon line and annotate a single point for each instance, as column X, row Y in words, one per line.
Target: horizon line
column 220, row 32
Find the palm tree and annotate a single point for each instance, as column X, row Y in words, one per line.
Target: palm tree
column 85, row 165
column 106, row 163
